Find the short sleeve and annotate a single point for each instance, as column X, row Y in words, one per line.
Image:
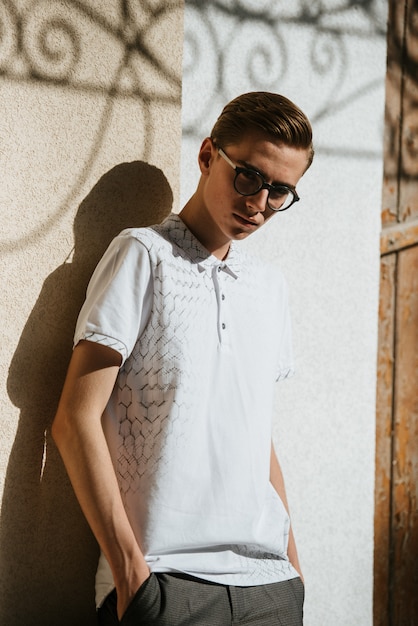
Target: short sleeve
column 119, row 296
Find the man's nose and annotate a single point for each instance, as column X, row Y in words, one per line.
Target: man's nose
column 258, row 202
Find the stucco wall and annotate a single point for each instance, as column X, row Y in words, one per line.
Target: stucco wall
column 89, row 144
column 330, row 58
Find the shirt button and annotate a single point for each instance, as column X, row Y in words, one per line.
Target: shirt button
column 219, row 268
column 223, row 296
column 223, row 326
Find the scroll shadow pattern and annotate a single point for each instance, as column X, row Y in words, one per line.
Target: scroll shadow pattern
column 402, row 82
column 266, row 39
column 78, row 47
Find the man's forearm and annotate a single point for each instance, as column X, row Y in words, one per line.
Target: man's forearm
column 87, row 460
column 79, row 436
column 277, row 480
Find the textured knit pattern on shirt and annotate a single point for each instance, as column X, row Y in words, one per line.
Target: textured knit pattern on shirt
column 189, row 421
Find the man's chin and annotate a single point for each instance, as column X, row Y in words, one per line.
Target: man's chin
column 242, row 235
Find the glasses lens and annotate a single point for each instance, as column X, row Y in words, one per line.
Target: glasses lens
column 248, row 182
column 280, row 198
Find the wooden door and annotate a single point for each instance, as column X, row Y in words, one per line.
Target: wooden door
column 396, row 507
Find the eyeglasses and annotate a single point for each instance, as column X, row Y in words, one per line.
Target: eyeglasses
column 249, row 182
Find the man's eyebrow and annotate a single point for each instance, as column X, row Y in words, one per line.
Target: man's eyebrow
column 275, row 183
column 249, row 166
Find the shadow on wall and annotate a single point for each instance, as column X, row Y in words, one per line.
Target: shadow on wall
column 73, row 54
column 233, row 47
column 47, row 553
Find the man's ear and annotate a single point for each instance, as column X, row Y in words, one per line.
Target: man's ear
column 206, row 154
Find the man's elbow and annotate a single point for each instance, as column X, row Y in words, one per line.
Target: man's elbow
column 60, row 429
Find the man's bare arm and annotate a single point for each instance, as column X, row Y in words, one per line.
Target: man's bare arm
column 78, row 433
column 276, row 479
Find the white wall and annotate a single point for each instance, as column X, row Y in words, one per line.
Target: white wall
column 332, row 64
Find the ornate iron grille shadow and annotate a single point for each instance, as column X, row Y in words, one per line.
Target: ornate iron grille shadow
column 76, row 47
column 402, row 83
column 269, row 41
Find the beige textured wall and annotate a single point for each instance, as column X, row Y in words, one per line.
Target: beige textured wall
column 89, row 144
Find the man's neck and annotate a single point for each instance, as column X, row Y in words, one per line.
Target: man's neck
column 218, row 246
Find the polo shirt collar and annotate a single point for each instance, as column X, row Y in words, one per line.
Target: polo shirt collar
column 184, row 239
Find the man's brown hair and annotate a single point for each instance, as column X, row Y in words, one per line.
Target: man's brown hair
column 278, row 117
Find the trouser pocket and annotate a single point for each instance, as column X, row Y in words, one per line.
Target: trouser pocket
column 145, row 606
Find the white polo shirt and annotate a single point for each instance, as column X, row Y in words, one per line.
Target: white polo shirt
column 189, row 421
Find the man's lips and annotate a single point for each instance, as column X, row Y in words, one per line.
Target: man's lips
column 246, row 221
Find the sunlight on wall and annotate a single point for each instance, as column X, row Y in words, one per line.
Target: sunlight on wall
column 89, row 144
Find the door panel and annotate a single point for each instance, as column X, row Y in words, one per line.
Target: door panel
column 385, row 373
column 404, row 519
column 396, row 504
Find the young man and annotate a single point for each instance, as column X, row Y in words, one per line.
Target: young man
column 164, row 423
